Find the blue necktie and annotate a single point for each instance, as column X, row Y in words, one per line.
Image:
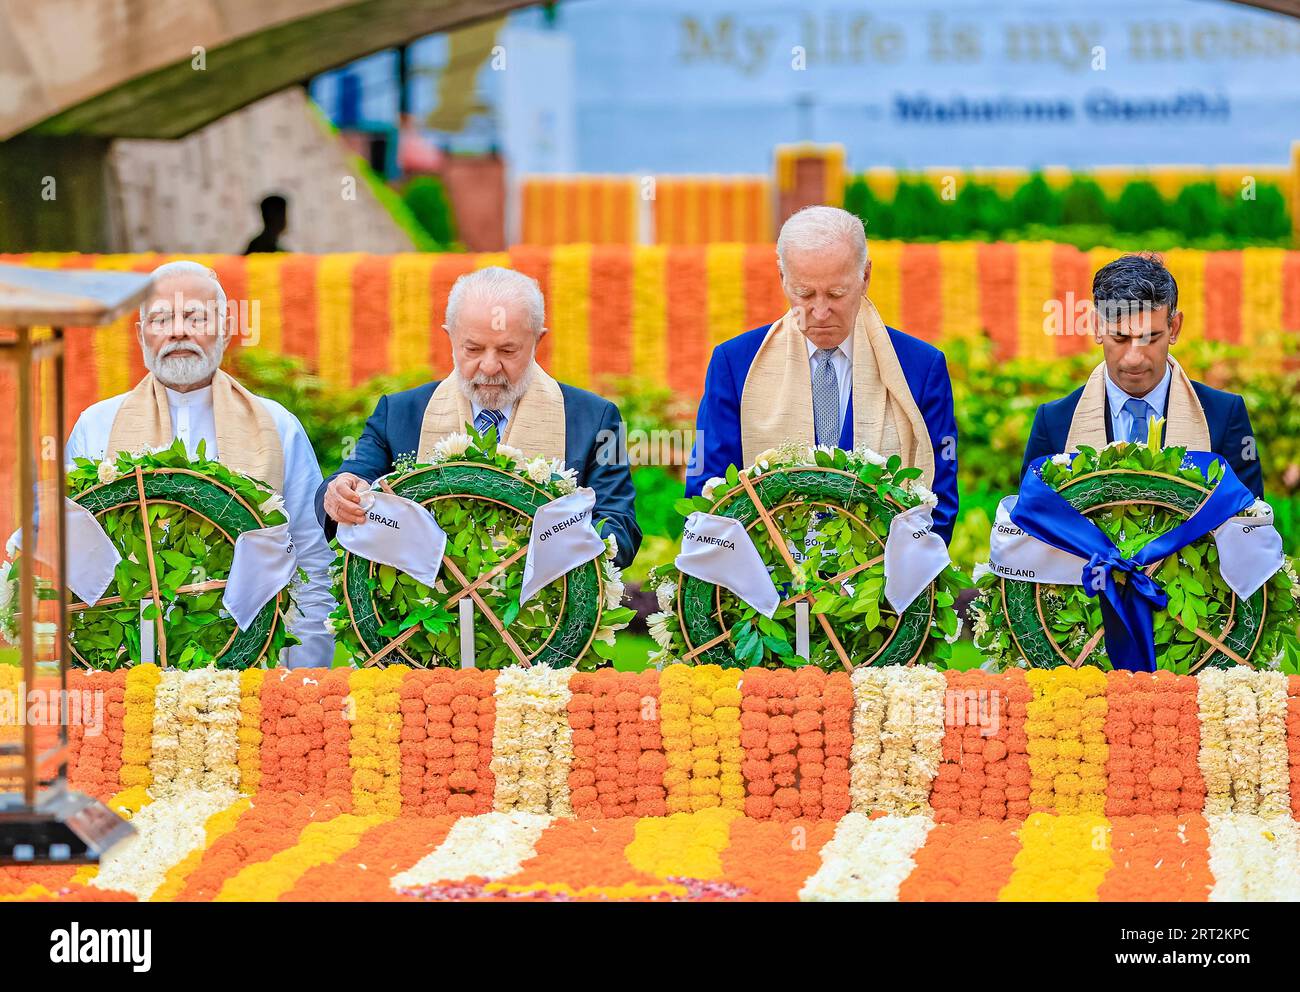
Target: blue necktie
column 826, row 399
column 487, row 419
column 1140, row 411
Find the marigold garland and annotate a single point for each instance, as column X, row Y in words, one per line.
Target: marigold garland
column 1293, row 739
column 448, row 723
column 582, row 859
column 134, row 723
column 1065, row 726
column 618, row 760
column 1158, row 859
column 984, row 768
column 970, row 860
column 250, row 728
column 897, row 738
column 362, row 873
column 682, row 845
column 700, row 714
column 375, row 754
column 320, row 843
column 1063, row 858
column 771, row 859
column 1153, row 734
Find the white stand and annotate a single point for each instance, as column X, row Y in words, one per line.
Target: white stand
column 466, row 632
column 147, row 628
column 801, row 628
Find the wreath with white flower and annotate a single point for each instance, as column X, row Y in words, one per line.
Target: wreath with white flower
column 188, row 512
column 484, row 495
column 837, row 506
column 1134, row 493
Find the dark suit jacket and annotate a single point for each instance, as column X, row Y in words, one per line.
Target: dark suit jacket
column 1230, row 434
column 393, row 431
column 717, row 423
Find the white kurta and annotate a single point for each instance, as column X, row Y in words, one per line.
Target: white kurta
column 192, row 422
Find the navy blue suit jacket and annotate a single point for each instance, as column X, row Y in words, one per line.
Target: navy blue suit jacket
column 393, row 431
column 717, row 442
column 1230, row 434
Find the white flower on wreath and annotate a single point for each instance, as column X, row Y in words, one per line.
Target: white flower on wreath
column 953, row 637
column 660, row 627
column 14, row 544
column 539, row 470
column 272, row 504
column 611, row 546
column 452, row 446
column 872, row 457
column 107, row 471
column 1062, row 460
column 613, row 586
column 605, row 634
column 981, row 569
column 927, row 496
column 711, row 486
column 766, row 458
column 511, row 452
column 665, row 595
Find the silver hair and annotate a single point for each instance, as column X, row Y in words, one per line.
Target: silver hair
column 500, row 286
column 187, row 268
column 819, row 228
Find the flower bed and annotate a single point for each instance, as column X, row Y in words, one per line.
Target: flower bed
column 692, row 783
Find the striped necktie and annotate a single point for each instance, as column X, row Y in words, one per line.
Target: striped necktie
column 488, row 419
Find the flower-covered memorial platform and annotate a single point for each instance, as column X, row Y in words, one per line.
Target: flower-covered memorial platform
column 690, row 783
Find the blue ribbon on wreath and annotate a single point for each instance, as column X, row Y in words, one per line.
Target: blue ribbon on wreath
column 1127, row 606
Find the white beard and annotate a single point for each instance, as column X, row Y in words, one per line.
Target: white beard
column 495, row 392
column 184, row 365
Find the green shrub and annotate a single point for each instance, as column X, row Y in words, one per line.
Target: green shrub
column 1139, row 207
column 1083, row 202
column 1035, row 203
column 918, row 211
column 980, row 208
column 1198, row 209
column 427, row 200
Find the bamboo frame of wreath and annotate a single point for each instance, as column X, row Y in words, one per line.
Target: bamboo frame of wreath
column 469, row 587
column 774, row 533
column 1215, row 642
column 207, row 586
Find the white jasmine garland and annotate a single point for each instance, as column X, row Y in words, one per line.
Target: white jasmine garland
column 1254, row 858
column 867, row 860
column 665, row 594
column 489, row 846
column 660, row 626
column 613, row 584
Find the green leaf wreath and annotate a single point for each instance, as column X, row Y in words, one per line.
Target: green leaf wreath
column 836, row 506
column 571, row 621
column 1011, row 618
column 196, row 509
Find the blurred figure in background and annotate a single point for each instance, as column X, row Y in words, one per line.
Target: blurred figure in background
column 275, row 221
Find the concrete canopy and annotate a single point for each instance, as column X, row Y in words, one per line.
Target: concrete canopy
column 127, row 68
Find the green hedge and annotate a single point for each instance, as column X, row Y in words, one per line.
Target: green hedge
column 1080, row 213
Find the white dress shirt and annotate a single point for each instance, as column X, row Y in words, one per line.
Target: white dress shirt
column 842, row 363
column 1121, row 421
column 192, row 422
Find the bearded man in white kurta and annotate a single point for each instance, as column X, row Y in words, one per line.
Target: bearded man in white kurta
column 183, row 332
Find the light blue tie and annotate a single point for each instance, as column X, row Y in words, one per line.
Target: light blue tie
column 1140, row 411
column 826, row 398
column 487, row 419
